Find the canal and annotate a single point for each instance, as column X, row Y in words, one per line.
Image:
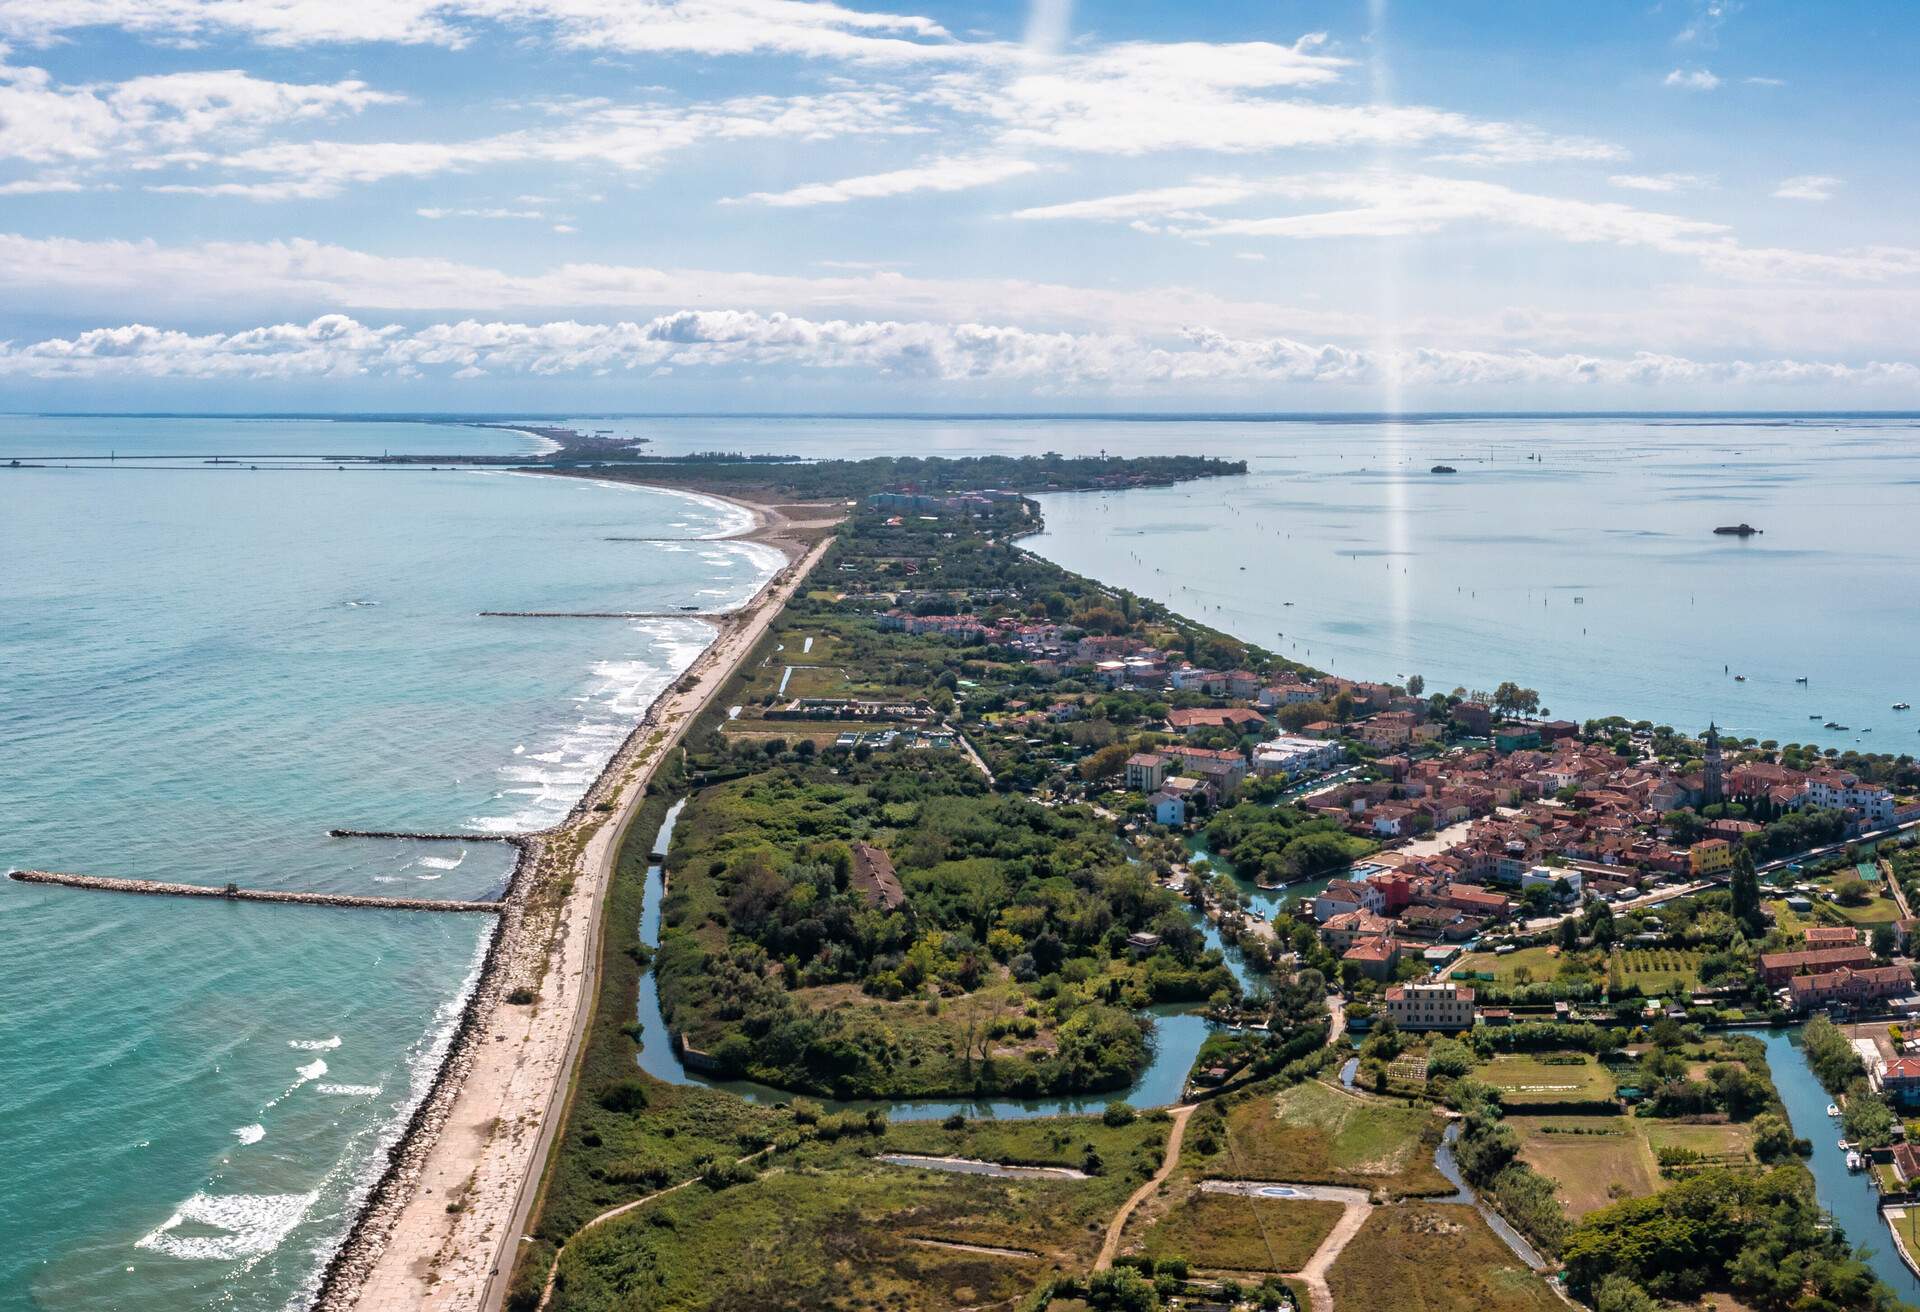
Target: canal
column 1848, row 1196
column 1178, row 1033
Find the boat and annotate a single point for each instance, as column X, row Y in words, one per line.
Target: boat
column 1902, row 706
column 1443, row 469
column 1814, row 716
column 1830, row 725
column 1739, row 678
column 1741, row 530
column 1833, row 1109
column 1801, row 678
column 1855, row 1162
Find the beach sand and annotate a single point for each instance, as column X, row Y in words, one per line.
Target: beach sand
column 442, row 1228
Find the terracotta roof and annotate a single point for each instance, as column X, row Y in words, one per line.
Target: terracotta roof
column 874, row 877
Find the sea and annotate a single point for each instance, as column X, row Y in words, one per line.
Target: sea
column 203, row 669
column 220, row 641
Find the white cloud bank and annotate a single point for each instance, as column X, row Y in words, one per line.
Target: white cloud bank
column 339, row 346
column 1808, row 186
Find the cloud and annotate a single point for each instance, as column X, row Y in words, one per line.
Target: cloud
column 812, row 28
column 1659, row 181
column 1808, row 186
column 42, row 121
column 629, row 138
column 435, row 212
column 1764, row 81
column 963, row 353
column 1139, row 98
column 1693, row 79
column 39, row 186
column 146, row 277
column 1384, row 203
column 947, row 173
column 1705, row 20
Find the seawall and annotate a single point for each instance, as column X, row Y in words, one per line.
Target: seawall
column 233, row 893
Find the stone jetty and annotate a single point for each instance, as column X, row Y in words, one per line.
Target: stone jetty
column 234, row 893
column 596, row 615
column 426, row 838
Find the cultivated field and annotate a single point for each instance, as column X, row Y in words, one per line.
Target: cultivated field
column 1592, row 1160
column 1233, row 1232
column 1532, row 1078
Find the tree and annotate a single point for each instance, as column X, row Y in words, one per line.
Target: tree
column 1745, row 887
column 1415, row 685
column 1885, row 941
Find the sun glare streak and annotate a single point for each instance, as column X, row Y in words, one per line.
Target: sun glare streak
column 1386, row 351
column 1047, row 22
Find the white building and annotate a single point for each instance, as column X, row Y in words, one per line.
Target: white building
column 1837, row 790
column 1550, row 875
column 1293, row 756
column 1168, row 809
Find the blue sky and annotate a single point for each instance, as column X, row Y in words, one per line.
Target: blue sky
column 785, row 205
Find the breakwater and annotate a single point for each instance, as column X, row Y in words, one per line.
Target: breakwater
column 234, row 893
column 596, row 615
column 426, row 838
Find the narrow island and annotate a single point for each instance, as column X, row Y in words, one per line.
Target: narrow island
column 963, row 846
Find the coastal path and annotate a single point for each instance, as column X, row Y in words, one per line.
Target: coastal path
column 1181, row 1115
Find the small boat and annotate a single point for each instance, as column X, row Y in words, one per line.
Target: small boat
column 1902, row 706
column 1833, row 1110
column 1855, row 1162
column 1443, row 469
column 1830, row 724
column 1741, row 530
column 1814, row 716
column 1739, row 678
column 1800, row 678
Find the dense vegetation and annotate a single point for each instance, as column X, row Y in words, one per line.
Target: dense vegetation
column 1762, row 1236
column 1282, row 844
column 933, row 475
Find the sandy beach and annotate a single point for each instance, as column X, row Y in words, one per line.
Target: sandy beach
column 440, row 1229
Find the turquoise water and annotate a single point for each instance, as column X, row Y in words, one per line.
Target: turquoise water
column 205, row 670
column 1340, row 549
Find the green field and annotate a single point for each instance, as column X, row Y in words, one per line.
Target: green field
column 1313, row 1133
column 1528, row 965
column 1232, row 1232
column 1533, row 1079
column 1425, row 1258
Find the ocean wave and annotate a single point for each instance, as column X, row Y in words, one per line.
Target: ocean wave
column 250, row 1133
column 348, row 1090
column 250, row 1225
column 429, row 876
column 443, row 863
column 315, row 1045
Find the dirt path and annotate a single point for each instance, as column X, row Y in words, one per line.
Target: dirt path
column 1145, row 1191
column 1314, row 1273
column 490, row 1153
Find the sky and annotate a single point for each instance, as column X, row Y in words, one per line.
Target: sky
column 1109, row 205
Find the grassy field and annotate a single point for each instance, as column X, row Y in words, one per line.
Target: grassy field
column 1592, row 1160
column 1135, row 1148
column 1231, row 1232
column 1424, row 1258
column 1528, row 964
column 1728, row 1143
column 1531, row 1079
column 1315, row 1134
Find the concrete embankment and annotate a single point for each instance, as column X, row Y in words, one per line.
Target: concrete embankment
column 233, row 893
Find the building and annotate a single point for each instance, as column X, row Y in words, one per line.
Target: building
column 1293, row 756
column 1849, row 987
column 1236, row 718
column 874, row 879
column 1146, row 772
column 1167, row 809
column 1899, row 1080
column 1548, row 876
column 1223, row 770
column 1430, row 1006
column 1475, row 718
column 1351, row 927
column 1709, row 857
column 1510, row 738
column 1143, row 944
column 1779, row 967
column 1375, row 956
column 1830, row 936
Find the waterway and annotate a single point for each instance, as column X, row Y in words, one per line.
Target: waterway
column 1848, row 1196
column 1177, row 1035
